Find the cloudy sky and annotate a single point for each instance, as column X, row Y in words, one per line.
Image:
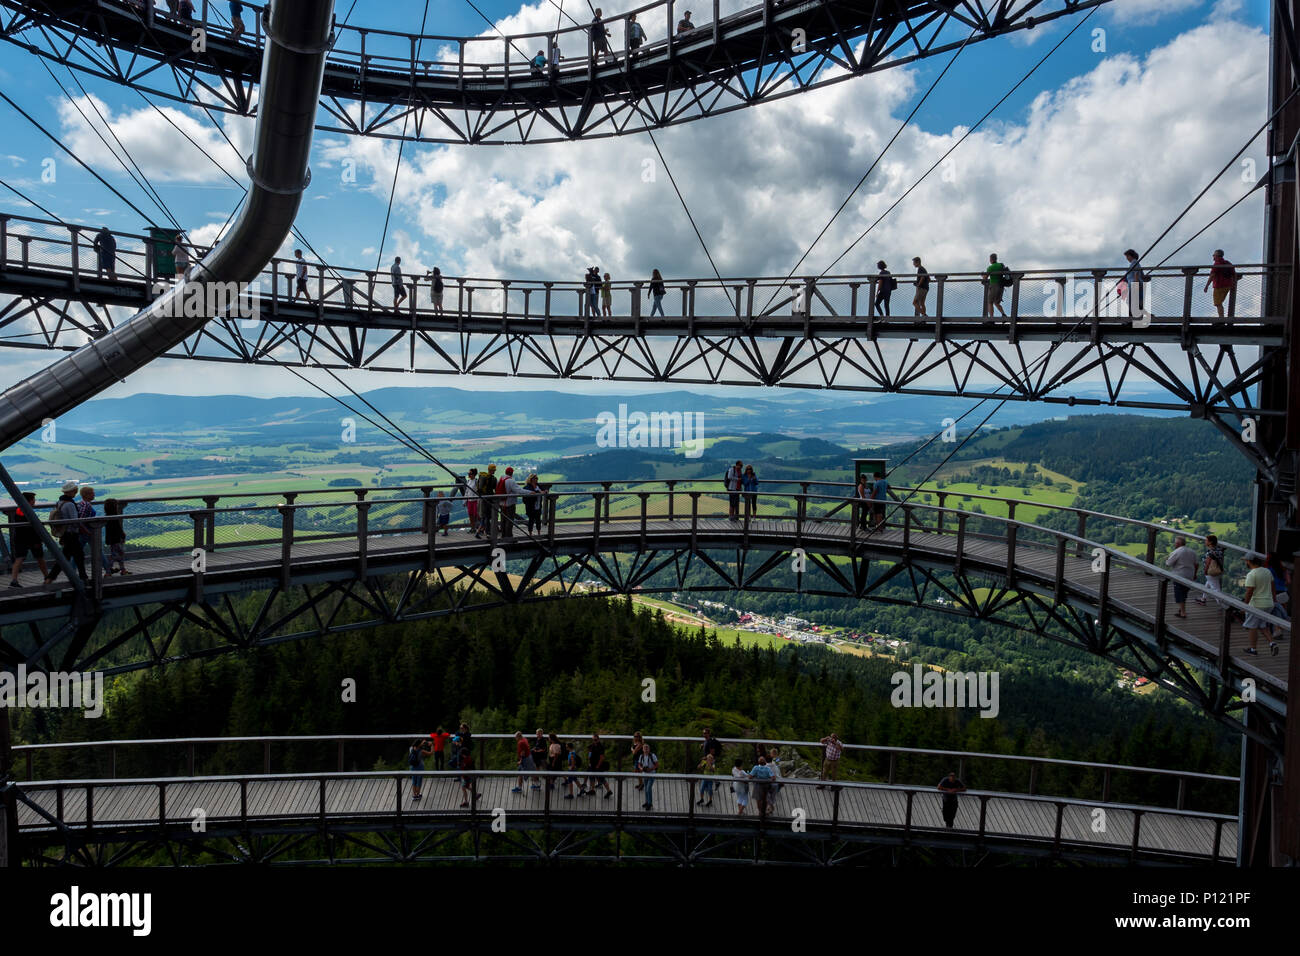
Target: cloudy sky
column 1097, row 152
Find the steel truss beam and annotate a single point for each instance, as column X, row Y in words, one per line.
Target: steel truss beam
column 332, row 607
column 1216, row 381
column 337, row 841
column 751, row 57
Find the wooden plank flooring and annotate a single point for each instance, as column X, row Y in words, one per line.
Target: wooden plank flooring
column 134, row 803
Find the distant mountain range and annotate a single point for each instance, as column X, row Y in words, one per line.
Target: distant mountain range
column 832, row 415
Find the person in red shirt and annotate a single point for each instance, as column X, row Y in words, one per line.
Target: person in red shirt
column 525, row 754
column 439, row 738
column 1224, row 279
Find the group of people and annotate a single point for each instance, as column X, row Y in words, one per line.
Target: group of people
column 584, row 769
column 740, row 482
column 543, row 62
column 874, row 492
column 437, row 745
column 74, row 509
column 1268, row 585
column 493, row 500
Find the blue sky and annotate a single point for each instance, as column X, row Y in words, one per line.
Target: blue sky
column 531, row 210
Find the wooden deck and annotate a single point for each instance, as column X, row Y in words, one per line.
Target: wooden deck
column 128, row 804
column 1130, row 590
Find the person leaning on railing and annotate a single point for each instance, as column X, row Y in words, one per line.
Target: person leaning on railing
column 834, row 748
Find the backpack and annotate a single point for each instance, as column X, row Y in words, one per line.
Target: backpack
column 501, row 487
column 1004, row 276
column 1213, row 568
column 577, row 761
column 413, row 757
column 893, row 283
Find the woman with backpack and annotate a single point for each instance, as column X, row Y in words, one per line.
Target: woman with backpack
column 573, row 763
column 656, row 291
column 65, row 509
column 885, row 286
column 420, row 748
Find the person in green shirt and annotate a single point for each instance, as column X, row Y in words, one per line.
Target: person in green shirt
column 995, row 280
column 1259, row 595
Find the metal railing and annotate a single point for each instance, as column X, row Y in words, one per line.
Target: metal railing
column 1084, row 300
column 645, row 511
column 193, row 754
column 884, row 808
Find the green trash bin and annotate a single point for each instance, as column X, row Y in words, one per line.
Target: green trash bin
column 160, row 247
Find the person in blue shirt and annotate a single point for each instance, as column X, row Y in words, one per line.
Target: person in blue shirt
column 761, row 774
column 879, row 495
column 539, row 64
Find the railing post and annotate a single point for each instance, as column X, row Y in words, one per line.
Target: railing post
column 1151, row 545
column 1011, row 554
column 363, row 531
column 286, row 542
column 695, row 517
column 939, row 280
column 1225, row 638
column 671, row 496
column 550, row 518
column 75, row 232
column 1105, row 786
column 1058, row 594
column 961, row 542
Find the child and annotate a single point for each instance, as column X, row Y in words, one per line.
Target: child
column 574, row 764
column 708, row 765
column 444, row 512
column 115, row 537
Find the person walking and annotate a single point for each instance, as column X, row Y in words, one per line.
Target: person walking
column 950, row 786
column 648, row 764
column 749, row 486
column 833, row 750
column 922, row 287
column 1281, row 585
column 996, row 279
column 635, row 36
column 87, row 530
column 1223, row 277
column 420, row 748
column 399, row 287
column 1133, row 280
column 637, row 743
column 524, row 758
column 599, row 38
column 708, row 766
column 300, row 272
column 105, row 246
column 1215, row 558
column 236, row 20
column 740, row 786
column 656, row 291
column 1182, row 560
column 606, row 297
column 23, row 540
column 573, row 763
column 885, row 286
column 554, row 758
column 65, row 510
column 599, row 764
column 1259, row 595
column 733, row 481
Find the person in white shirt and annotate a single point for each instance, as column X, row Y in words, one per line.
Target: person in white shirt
column 300, row 270
column 512, row 491
column 180, row 256
column 1183, row 561
column 732, row 480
